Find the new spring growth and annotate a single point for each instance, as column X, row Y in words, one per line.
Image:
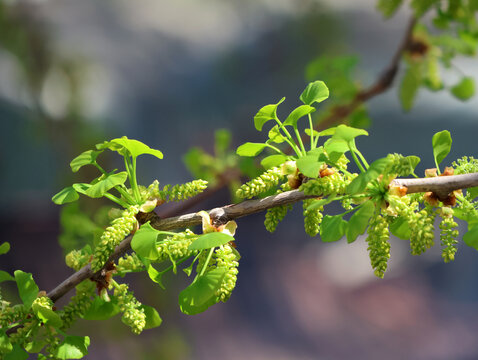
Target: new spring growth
column 224, row 257
column 208, row 226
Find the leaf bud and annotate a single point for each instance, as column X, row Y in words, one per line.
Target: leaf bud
column 431, row 172
column 148, row 206
column 448, row 171
column 289, row 168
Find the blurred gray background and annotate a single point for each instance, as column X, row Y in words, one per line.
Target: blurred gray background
column 169, row 73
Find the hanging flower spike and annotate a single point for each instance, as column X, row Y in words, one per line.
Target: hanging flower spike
column 312, row 218
column 176, row 247
column 129, row 263
column 274, row 216
column 260, row 184
column 181, row 192
column 325, row 186
column 448, row 234
column 378, row 245
column 10, row 314
column 226, row 258
column 76, row 259
column 113, row 235
column 79, row 304
column 133, row 314
column 422, row 231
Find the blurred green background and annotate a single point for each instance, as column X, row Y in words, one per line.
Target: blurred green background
column 171, row 73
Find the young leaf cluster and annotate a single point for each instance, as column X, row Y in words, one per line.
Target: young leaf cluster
column 223, row 166
column 37, row 327
column 213, row 253
column 372, row 203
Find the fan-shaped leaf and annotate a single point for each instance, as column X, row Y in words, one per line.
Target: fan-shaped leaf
column 132, row 147
column 316, row 91
column 250, row 149
column 201, row 294
column 85, row 158
column 27, row 288
column 101, row 187
column 210, row 240
column 297, row 113
column 441, row 145
column 332, row 228
column 66, row 195
column 266, row 113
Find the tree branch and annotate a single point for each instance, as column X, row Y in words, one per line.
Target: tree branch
column 339, row 112
column 382, row 84
column 439, row 185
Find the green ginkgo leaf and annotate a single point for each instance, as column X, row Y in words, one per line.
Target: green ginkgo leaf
column 101, row 187
column 465, row 89
column 152, row 317
column 335, row 148
column 4, row 276
column 297, row 113
column 359, row 221
column 5, row 344
column 471, row 237
column 316, row 91
column 144, row 242
column 360, row 182
column 441, row 142
column 309, row 166
column 85, row 158
column 65, row 196
column 273, row 161
column 400, row 228
column 201, row 294
column 73, row 347
column 265, row 114
column 132, row 147
column 332, row 228
column 46, row 315
column 250, row 149
column 210, row 240
column 347, row 133
column 4, row 248
column 27, row 288
column 275, row 135
column 101, row 309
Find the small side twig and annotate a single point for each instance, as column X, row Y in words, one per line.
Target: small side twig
column 382, row 84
